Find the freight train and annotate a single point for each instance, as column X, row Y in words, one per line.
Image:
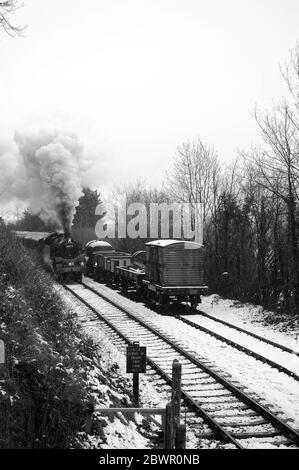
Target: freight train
column 59, row 251
column 167, row 271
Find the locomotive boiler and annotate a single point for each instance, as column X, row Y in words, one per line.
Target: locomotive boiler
column 59, row 252
column 65, row 255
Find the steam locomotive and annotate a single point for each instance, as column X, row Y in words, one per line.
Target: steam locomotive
column 62, row 255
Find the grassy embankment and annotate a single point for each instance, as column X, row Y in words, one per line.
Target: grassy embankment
column 45, row 383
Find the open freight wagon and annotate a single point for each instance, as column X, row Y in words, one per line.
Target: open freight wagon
column 106, row 264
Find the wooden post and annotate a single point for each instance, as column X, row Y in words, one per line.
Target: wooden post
column 136, row 364
column 88, row 418
column 2, row 352
column 169, row 427
column 2, row 360
column 136, row 388
column 163, row 422
column 180, row 437
column 176, row 393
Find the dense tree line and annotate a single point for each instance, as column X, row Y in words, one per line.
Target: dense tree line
column 250, row 211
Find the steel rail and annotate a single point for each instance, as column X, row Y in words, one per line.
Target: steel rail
column 249, row 333
column 239, row 346
column 236, row 345
column 235, row 327
column 253, row 404
column 188, row 400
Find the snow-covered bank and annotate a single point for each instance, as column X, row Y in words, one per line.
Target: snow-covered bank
column 53, row 367
column 153, row 391
column 117, row 432
column 280, row 328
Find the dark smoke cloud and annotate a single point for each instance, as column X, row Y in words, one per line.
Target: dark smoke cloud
column 44, row 171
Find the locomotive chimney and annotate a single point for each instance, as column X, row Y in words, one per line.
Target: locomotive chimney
column 67, row 236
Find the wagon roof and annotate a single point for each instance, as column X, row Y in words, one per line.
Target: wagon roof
column 168, row 242
column 32, row 235
column 98, row 243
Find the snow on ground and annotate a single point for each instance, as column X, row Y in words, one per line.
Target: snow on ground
column 123, row 434
column 276, row 389
column 287, row 360
column 119, row 433
column 254, row 318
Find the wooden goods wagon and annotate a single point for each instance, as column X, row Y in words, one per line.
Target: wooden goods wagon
column 175, row 270
column 133, row 274
column 107, row 263
column 131, row 277
column 122, row 260
column 173, row 262
column 138, row 260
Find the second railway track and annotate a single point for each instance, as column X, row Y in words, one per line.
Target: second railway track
column 249, row 351
column 285, row 358
column 231, row 414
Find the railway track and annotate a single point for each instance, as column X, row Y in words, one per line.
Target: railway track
column 246, row 350
column 249, row 333
column 282, row 366
column 215, row 407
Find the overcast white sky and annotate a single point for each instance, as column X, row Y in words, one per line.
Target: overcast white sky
column 141, row 76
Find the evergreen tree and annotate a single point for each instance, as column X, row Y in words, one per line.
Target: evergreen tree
column 85, row 212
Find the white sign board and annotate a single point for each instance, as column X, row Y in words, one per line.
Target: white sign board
column 2, row 352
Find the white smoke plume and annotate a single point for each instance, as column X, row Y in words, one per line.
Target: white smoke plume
column 45, row 172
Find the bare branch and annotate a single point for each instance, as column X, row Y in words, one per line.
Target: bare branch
column 7, row 10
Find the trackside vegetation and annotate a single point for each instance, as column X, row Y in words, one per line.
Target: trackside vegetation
column 52, row 368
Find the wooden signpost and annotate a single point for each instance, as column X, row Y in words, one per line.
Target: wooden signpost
column 176, row 394
column 2, row 360
column 136, row 364
column 174, row 430
column 2, row 352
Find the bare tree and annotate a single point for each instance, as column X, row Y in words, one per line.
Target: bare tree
column 268, row 220
column 7, row 10
column 195, row 175
column 121, row 197
column 290, row 72
column 276, row 169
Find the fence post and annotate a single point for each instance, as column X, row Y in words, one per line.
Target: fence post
column 180, row 437
column 136, row 388
column 88, row 417
column 163, row 424
column 168, row 426
column 176, row 394
column 3, row 366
